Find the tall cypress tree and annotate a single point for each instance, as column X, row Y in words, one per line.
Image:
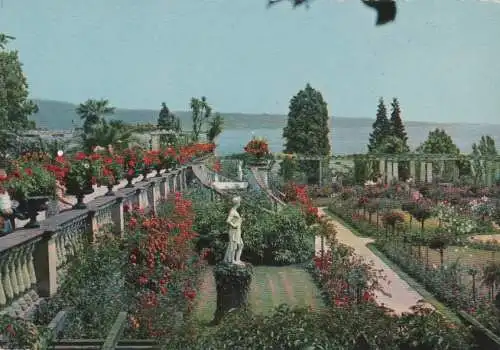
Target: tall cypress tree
column 381, row 127
column 307, row 128
column 397, row 126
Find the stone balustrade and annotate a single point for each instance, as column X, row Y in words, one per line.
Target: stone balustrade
column 33, row 261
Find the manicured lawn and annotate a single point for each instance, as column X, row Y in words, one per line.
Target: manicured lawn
column 271, row 286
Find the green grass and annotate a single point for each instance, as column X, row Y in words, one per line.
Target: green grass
column 271, row 286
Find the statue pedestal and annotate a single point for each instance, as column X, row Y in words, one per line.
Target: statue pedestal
column 233, row 284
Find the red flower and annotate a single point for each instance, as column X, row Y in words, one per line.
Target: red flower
column 80, row 156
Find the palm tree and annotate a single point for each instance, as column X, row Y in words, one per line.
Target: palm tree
column 4, row 40
column 103, row 134
column 92, row 112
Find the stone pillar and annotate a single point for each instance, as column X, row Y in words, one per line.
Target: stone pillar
column 389, row 171
column 140, row 198
column 412, row 170
column 156, row 195
column 489, row 173
column 395, row 171
column 45, row 256
column 155, row 142
column 171, row 183
column 381, row 167
column 233, row 286
column 164, row 187
column 93, row 225
column 423, row 172
column 117, row 216
column 429, row 172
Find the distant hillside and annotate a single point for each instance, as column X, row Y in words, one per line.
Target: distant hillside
column 56, row 115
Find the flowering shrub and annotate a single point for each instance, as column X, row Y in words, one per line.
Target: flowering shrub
column 392, row 218
column 112, row 170
column 162, row 267
column 29, row 179
column 453, row 221
column 257, row 147
column 482, row 207
column 80, row 171
column 299, row 194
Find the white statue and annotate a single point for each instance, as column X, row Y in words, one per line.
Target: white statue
column 235, row 245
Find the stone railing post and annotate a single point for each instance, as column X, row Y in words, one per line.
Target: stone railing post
column 185, row 177
column 429, row 172
column 118, row 218
column 93, row 225
column 164, row 187
column 171, row 183
column 156, row 194
column 175, row 188
column 423, row 172
column 139, row 196
column 45, row 256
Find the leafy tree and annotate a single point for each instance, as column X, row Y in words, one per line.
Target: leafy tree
column 438, row 142
column 397, row 126
column 215, row 127
column 307, row 129
column 15, row 107
column 167, row 120
column 200, row 113
column 92, row 113
column 381, row 128
column 484, row 149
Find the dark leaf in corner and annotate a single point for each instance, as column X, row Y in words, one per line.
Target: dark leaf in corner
column 386, row 10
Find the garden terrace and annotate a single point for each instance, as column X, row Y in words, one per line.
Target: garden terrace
column 33, row 261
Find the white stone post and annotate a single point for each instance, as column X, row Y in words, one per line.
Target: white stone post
column 429, row 172
column 164, row 187
column 389, row 171
column 412, row 169
column 45, row 258
column 423, row 172
column 117, row 217
column 381, row 166
column 395, row 171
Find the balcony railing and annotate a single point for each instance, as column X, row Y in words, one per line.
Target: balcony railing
column 33, row 261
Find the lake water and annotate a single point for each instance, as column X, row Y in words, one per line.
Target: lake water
column 350, row 139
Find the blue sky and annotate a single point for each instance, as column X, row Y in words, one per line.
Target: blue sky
column 441, row 57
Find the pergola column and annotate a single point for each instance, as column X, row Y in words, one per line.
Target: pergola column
column 395, row 171
column 423, row 173
column 382, row 169
column 412, row 169
column 389, row 171
column 429, row 172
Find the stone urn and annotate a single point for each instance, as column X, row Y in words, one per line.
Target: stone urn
column 80, row 192
column 32, row 206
